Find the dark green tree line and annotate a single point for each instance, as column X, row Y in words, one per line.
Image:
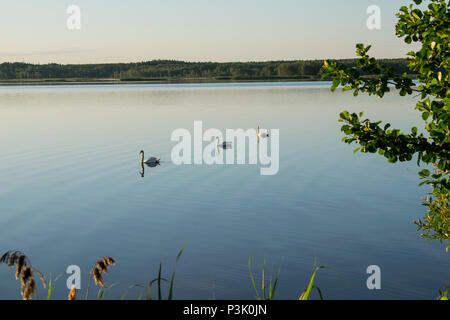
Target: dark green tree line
column 176, row 70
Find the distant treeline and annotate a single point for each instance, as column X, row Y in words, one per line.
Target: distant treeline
column 170, row 69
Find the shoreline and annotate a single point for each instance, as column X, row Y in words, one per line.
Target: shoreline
column 5, row 83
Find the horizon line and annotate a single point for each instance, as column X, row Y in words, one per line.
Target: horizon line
column 188, row 61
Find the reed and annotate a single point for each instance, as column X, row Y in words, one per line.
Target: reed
column 267, row 291
column 72, row 293
column 268, row 288
column 307, row 292
column 51, row 285
column 159, row 280
column 24, row 272
column 101, row 266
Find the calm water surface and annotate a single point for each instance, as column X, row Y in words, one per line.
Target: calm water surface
column 71, row 192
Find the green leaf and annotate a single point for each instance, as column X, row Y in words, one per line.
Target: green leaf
column 305, row 294
column 345, row 115
column 347, row 88
column 253, row 279
column 424, row 173
column 335, row 84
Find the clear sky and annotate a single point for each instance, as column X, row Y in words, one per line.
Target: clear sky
column 194, row 30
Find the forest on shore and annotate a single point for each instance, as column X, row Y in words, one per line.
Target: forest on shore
column 164, row 70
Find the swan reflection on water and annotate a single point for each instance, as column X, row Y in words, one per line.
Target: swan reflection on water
column 150, row 165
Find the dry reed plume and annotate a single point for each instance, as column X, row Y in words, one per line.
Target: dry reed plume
column 101, row 266
column 72, row 293
column 24, row 271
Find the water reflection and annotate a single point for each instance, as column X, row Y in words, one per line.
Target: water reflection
column 150, row 165
column 98, row 123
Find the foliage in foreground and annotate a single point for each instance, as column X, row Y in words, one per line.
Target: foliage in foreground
column 267, row 290
column 429, row 28
column 24, row 271
column 18, row 260
column 443, row 295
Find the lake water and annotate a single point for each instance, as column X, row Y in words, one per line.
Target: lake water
column 71, row 192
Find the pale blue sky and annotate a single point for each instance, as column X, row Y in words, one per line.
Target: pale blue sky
column 194, row 30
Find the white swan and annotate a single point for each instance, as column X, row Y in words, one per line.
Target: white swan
column 151, row 160
column 263, row 134
column 225, row 144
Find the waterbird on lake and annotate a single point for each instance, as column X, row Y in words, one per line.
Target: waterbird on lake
column 150, row 165
column 263, row 134
column 150, row 161
column 224, row 145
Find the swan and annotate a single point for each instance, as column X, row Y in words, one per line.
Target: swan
column 263, row 134
column 225, row 144
column 149, row 161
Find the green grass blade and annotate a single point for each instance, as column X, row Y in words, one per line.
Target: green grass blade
column 123, row 295
column 102, row 291
column 150, row 284
column 170, row 297
column 305, row 294
column 272, row 291
column 171, row 287
column 181, row 251
column 253, row 280
column 101, row 294
column 131, row 287
column 159, row 282
column 263, row 284
column 50, row 288
column 320, row 292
